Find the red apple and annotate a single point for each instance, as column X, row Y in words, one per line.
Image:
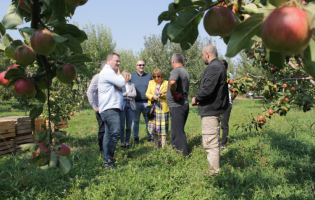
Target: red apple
column 64, row 151
column 4, row 82
column 287, row 30
column 66, row 74
column 285, row 85
column 262, row 59
column 219, row 21
column 293, row 89
column 24, row 55
column 23, row 6
column 245, row 78
column 71, row 113
column 42, row 42
column 43, row 147
column 257, row 43
column 261, row 119
column 270, row 112
column 275, row 86
column 24, row 88
column 252, row 56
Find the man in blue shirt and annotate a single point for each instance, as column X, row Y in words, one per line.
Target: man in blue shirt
column 141, row 81
column 110, row 105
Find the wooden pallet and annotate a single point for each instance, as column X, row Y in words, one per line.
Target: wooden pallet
column 7, row 128
column 7, row 146
column 23, row 139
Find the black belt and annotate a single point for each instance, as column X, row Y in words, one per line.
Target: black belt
column 142, row 101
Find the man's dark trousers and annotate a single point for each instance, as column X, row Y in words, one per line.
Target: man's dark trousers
column 101, row 130
column 111, row 117
column 178, row 120
column 225, row 125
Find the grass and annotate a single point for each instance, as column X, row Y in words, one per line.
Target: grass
column 274, row 163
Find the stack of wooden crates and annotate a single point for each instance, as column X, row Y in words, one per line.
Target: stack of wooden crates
column 17, row 130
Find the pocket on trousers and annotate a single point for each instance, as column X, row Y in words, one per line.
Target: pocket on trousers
column 210, row 141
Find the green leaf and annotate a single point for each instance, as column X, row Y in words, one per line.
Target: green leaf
column 36, row 111
column 12, row 18
column 164, row 34
column 250, row 8
column 40, row 96
column 309, row 60
column 82, row 68
column 7, row 40
column 28, row 30
column 29, row 147
column 310, row 11
column 52, row 103
column 14, row 73
column 53, row 160
column 176, row 29
column 82, row 37
column 275, row 58
column 2, row 30
column 58, row 11
column 45, row 167
column 64, row 164
column 78, row 58
column 59, row 39
column 34, row 160
column 2, row 46
column 243, row 33
column 73, row 44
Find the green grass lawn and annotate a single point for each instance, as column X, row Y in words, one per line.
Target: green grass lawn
column 276, row 162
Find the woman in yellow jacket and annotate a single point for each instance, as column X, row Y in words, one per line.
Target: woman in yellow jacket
column 156, row 92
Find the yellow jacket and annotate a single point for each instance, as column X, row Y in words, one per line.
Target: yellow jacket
column 150, row 93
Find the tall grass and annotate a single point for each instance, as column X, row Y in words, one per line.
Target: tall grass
column 275, row 162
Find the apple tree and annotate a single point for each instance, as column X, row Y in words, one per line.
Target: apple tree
column 277, row 36
column 46, row 61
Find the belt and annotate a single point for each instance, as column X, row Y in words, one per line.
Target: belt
column 142, row 101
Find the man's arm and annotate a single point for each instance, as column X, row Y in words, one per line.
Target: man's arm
column 91, row 91
column 209, row 84
column 115, row 79
column 172, row 85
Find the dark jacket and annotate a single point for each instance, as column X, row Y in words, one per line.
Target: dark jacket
column 213, row 96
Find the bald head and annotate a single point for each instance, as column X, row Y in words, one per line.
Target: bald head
column 209, row 52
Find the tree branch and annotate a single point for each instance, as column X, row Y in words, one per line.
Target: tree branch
column 248, row 74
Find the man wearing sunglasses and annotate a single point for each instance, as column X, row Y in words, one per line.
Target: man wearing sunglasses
column 177, row 100
column 141, row 81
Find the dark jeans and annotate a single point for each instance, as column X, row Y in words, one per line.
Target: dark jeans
column 111, row 118
column 101, row 130
column 126, row 119
column 225, row 125
column 140, row 108
column 178, row 120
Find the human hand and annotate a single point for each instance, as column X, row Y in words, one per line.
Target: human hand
column 155, row 97
column 118, row 88
column 96, row 110
column 193, row 101
column 156, row 92
column 177, row 96
column 118, row 71
column 164, row 92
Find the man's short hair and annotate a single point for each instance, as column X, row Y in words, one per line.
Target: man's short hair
column 111, row 55
column 103, row 63
column 178, row 58
column 224, row 63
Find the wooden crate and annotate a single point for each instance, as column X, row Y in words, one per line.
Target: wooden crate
column 7, row 128
column 7, row 146
column 22, row 124
column 23, row 139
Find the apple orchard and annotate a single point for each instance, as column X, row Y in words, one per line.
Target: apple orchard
column 276, row 35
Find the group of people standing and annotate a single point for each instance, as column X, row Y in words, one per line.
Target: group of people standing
column 119, row 98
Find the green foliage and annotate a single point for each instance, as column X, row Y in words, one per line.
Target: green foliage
column 275, row 162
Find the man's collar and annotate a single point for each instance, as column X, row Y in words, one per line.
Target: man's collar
column 142, row 74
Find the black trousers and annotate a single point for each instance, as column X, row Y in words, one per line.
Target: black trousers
column 178, row 120
column 225, row 125
column 101, row 130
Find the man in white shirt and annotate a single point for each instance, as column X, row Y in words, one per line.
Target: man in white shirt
column 110, row 105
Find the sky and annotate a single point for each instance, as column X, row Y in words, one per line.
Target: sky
column 128, row 20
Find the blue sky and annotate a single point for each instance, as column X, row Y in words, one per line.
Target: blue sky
column 128, row 20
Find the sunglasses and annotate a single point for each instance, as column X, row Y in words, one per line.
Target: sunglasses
column 141, row 65
column 156, row 76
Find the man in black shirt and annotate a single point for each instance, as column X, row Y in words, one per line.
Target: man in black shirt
column 212, row 101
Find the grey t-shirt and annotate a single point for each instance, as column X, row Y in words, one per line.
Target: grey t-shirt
column 181, row 76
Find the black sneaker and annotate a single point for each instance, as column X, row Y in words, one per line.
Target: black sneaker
column 150, row 140
column 109, row 167
column 137, row 140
